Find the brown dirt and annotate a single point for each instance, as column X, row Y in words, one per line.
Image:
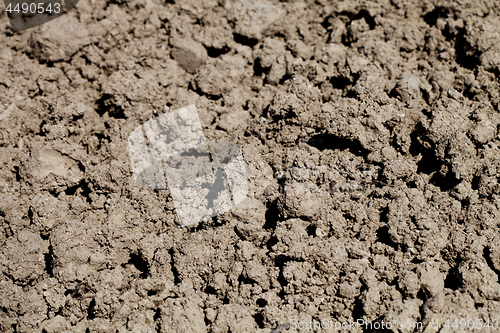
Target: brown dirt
column 370, row 133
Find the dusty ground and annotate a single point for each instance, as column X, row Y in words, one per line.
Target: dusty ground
column 370, row 133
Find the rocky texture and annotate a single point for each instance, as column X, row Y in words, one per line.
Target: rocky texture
column 370, row 134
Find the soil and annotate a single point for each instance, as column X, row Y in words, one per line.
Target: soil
column 371, row 142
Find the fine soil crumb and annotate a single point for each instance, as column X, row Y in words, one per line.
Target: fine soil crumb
column 370, row 136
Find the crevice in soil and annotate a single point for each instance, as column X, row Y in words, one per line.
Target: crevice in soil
column 341, row 82
column 104, row 104
column 357, row 311
column 157, row 320
column 330, row 141
column 272, row 216
column 465, row 55
column 90, row 310
column 259, row 320
column 49, row 261
column 244, row 40
column 215, row 53
column 140, row 263
column 173, row 268
column 384, row 237
column 487, row 256
column 280, row 262
column 446, row 182
column 439, row 12
column 453, row 280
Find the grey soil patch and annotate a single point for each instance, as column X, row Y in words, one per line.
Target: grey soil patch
column 370, row 134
